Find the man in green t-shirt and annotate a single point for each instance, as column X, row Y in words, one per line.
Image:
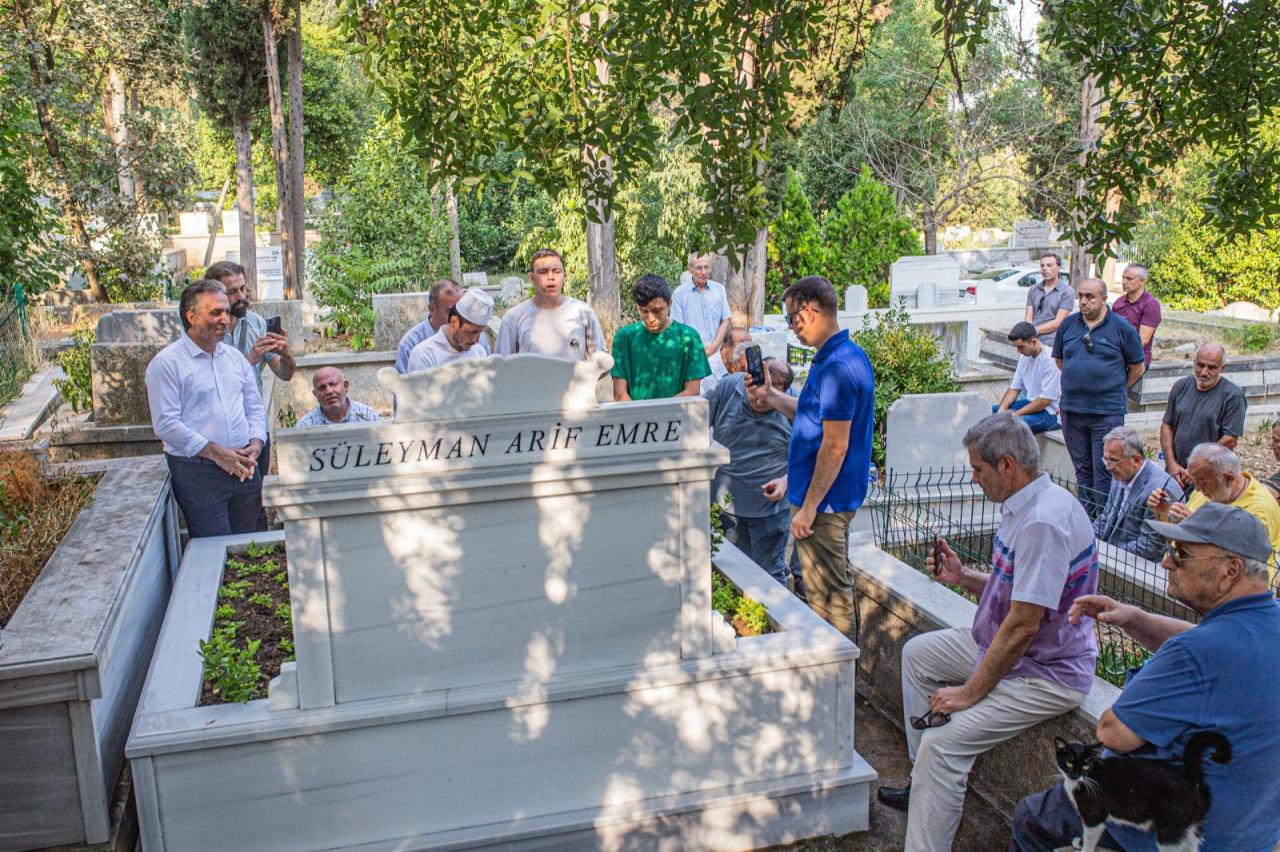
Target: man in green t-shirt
column 657, row 357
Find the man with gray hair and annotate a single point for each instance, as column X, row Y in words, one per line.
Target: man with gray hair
column 1220, row 675
column 1219, row 478
column 1203, row 407
column 727, row 361
column 1122, row 522
column 1138, row 306
column 966, row 691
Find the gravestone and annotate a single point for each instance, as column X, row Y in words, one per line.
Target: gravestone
column 908, row 273
column 855, row 299
column 986, row 293
column 1031, row 233
column 475, row 279
column 124, row 344
column 927, row 295
column 504, row 636
column 394, row 314
column 923, row 431
column 512, row 289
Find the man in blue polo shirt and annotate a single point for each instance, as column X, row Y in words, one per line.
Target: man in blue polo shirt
column 830, row 449
column 1221, row 675
column 1100, row 356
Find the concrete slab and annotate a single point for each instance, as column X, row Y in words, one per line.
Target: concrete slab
column 37, row 400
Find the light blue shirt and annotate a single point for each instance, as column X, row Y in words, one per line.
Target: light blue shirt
column 357, row 412
column 196, row 398
column 702, row 309
column 246, row 333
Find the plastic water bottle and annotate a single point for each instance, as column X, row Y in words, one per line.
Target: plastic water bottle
column 873, row 475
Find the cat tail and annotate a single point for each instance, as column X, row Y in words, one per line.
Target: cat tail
column 1193, row 754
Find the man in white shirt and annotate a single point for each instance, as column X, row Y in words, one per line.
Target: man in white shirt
column 457, row 338
column 727, row 361
column 206, row 410
column 703, row 304
column 1037, row 382
column 441, row 297
column 248, row 330
column 550, row 323
column 330, row 387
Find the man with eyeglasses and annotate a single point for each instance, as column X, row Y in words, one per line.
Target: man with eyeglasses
column 1203, row 408
column 830, row 450
column 1133, row 478
column 1221, row 675
column 1100, row 356
column 965, row 691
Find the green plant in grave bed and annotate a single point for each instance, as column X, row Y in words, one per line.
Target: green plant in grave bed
column 261, row 599
column 753, row 615
column 77, row 387
column 257, row 551
column 231, row 671
column 285, row 614
column 1253, row 338
column 237, row 566
column 280, row 578
column 286, row 645
column 1264, row 431
column 224, row 612
column 724, row 598
column 717, row 523
column 234, row 591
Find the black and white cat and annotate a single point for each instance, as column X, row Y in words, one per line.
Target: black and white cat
column 1162, row 797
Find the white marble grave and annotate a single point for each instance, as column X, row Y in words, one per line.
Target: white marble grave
column 906, row 274
column 501, row 608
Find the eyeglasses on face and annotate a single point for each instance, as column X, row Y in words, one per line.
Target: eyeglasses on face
column 1173, row 550
column 791, row 318
column 933, row 719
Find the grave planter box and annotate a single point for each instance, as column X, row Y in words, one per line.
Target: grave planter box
column 502, row 616
column 73, row 659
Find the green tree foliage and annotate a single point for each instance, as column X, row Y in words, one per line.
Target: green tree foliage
column 796, row 248
column 388, row 234
column 495, row 218
column 906, row 359
column 864, row 235
column 25, row 224
column 226, row 65
column 336, row 107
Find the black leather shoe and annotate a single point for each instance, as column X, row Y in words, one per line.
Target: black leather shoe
column 895, row 797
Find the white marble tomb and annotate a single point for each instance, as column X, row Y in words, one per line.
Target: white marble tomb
column 504, row 636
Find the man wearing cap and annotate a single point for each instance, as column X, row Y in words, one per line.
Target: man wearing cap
column 441, row 297
column 1037, row 382
column 330, row 387
column 1221, row 675
column 458, row 337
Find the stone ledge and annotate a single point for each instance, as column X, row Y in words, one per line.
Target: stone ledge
column 38, row 399
column 896, row 602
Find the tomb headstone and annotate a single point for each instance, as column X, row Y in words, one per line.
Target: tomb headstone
column 908, row 273
column 986, row 293
column 1031, row 233
column 855, row 298
column 394, row 314
column 124, row 344
column 923, row 431
column 475, row 279
column 927, row 295
column 270, row 261
column 512, row 288
column 193, row 223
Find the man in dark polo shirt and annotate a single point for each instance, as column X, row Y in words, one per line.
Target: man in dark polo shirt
column 1138, row 306
column 1050, row 301
column 1203, row 408
column 830, row 450
column 1100, row 356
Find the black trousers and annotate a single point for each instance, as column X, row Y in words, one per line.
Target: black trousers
column 212, row 501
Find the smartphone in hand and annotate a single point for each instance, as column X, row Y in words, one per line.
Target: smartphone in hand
column 274, row 326
column 755, row 364
column 937, row 556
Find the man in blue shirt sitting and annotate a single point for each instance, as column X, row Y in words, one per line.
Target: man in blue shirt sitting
column 830, row 451
column 1222, row 675
column 1101, row 357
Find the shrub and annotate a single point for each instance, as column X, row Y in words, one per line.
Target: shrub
column 77, row 387
column 906, row 359
column 795, row 242
column 864, row 234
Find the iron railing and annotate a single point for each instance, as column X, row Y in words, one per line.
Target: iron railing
column 18, row 358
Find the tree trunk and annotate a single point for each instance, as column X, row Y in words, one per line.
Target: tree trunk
column 215, row 222
column 114, row 109
column 244, row 198
column 930, row 232
column 280, row 150
column 602, row 275
column 455, row 239
column 757, row 260
column 297, row 161
column 1087, row 137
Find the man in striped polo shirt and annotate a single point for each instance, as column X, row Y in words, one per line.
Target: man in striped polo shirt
column 965, row 691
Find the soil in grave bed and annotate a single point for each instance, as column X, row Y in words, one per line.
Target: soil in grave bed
column 253, row 607
column 746, row 616
column 35, row 513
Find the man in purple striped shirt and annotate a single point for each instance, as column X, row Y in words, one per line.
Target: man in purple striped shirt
column 966, row 691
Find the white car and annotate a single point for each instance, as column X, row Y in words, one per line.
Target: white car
column 1012, row 282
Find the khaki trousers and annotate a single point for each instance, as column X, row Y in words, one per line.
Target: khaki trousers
column 943, row 756
column 824, row 566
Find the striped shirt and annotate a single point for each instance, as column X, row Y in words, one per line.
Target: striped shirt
column 1044, row 554
column 357, row 412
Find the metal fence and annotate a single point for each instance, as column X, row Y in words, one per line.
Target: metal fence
column 18, row 356
column 916, row 509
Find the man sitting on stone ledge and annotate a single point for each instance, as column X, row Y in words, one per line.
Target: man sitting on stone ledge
column 442, row 295
column 1221, row 675
column 966, row 691
column 1037, row 382
column 1133, row 478
column 458, row 338
column 330, row 387
column 1218, row 478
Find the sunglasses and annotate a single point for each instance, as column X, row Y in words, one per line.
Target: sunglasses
column 791, row 318
column 930, row 720
column 1088, row 343
column 1174, row 551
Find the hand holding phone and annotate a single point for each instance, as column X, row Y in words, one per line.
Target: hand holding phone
column 755, row 364
column 274, row 326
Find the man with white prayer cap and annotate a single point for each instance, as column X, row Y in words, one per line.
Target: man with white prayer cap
column 458, row 337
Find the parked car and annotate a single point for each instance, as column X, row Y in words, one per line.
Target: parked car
column 1009, row 280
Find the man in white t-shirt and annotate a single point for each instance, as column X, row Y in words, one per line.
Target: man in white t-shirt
column 702, row 304
column 1037, row 382
column 550, row 323
column 458, row 337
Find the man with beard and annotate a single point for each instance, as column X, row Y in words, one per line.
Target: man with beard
column 248, row 332
column 206, row 410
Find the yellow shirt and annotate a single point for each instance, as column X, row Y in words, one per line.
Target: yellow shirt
column 1257, row 501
